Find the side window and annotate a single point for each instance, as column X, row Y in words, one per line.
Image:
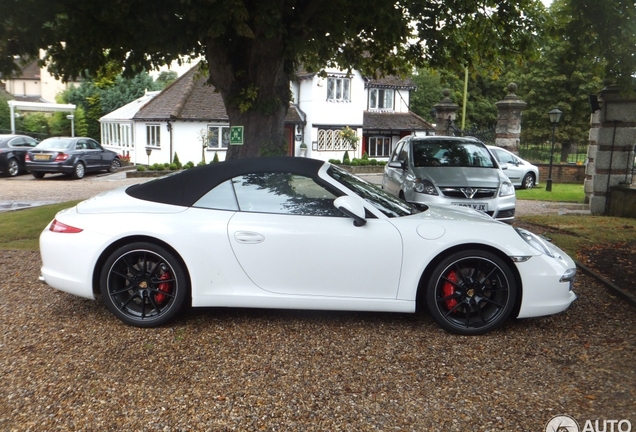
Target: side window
column 404, row 152
column 30, row 142
column 221, row 197
column 284, row 193
column 81, row 145
column 92, row 145
column 396, row 152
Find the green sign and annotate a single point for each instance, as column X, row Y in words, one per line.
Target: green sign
column 236, row 135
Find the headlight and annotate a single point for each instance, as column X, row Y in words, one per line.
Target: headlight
column 424, row 186
column 506, row 189
column 535, row 241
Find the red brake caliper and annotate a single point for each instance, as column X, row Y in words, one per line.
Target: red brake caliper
column 449, row 289
column 163, row 286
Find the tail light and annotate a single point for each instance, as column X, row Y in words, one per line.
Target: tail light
column 60, row 227
column 61, row 157
column 27, row 157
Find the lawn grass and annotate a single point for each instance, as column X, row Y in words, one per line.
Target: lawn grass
column 21, row 229
column 561, row 192
column 573, row 233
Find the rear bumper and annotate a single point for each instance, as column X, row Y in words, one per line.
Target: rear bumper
column 49, row 167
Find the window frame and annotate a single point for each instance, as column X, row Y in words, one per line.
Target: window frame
column 381, row 95
column 153, row 135
column 338, row 84
column 221, row 142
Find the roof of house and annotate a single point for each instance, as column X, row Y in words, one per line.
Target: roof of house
column 190, row 97
column 386, row 121
column 30, row 71
column 392, row 82
column 128, row 111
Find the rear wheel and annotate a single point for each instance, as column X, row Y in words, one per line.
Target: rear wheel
column 143, row 284
column 114, row 165
column 79, row 171
column 12, row 168
column 471, row 292
column 528, row 181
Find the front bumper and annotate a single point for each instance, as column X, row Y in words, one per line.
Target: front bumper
column 500, row 208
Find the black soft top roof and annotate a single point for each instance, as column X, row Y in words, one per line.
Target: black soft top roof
column 185, row 188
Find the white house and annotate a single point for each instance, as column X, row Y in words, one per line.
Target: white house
column 36, row 84
column 189, row 118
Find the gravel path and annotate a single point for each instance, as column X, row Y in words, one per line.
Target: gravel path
column 67, row 364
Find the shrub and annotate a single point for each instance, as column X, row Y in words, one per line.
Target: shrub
column 141, row 168
column 202, row 163
column 345, row 158
column 335, row 161
column 364, row 162
column 166, row 165
column 173, row 167
column 176, row 161
column 216, row 158
column 365, row 156
column 355, row 162
column 160, row 167
column 188, row 165
column 373, row 162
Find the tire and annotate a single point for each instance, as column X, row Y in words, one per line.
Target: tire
column 79, row 171
column 528, row 181
column 143, row 284
column 13, row 168
column 38, row 175
column 471, row 292
column 114, row 165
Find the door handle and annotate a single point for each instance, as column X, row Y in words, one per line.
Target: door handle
column 248, row 237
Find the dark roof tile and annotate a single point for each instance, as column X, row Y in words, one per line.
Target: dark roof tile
column 394, row 121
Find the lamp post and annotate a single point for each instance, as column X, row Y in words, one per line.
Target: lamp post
column 71, row 117
column 555, row 117
column 148, row 151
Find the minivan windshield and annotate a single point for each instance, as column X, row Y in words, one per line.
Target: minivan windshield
column 447, row 153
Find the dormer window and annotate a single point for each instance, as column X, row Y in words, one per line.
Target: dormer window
column 381, row 99
column 338, row 89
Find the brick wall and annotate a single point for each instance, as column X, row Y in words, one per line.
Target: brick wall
column 566, row 173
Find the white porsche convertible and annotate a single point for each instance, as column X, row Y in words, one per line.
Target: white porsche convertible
column 297, row 233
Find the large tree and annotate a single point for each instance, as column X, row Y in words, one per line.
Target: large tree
column 253, row 48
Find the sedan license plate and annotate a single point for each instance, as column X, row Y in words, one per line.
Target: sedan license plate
column 482, row 207
column 40, row 157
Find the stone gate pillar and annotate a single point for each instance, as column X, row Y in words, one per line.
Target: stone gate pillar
column 445, row 114
column 509, row 120
column 610, row 153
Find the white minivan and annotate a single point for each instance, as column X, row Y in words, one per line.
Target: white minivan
column 449, row 171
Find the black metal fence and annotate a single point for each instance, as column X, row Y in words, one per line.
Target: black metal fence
column 487, row 136
column 540, row 153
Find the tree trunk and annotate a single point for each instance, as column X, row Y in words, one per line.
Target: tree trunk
column 256, row 91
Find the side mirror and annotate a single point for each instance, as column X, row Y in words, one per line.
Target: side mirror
column 352, row 208
column 398, row 164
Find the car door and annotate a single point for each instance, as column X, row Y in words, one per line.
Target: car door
column 289, row 239
column 93, row 154
column 393, row 176
column 511, row 165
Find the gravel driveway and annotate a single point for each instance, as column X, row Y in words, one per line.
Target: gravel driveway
column 67, row 364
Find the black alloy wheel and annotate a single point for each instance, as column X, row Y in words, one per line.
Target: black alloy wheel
column 143, row 284
column 471, row 292
column 116, row 163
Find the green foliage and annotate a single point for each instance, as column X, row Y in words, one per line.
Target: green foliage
column 561, row 192
column 5, row 113
column 345, row 158
column 365, row 156
column 201, row 163
column 173, row 167
column 355, row 162
column 166, row 78
column 36, row 122
column 216, row 157
column 141, row 168
column 188, row 165
column 335, row 161
column 373, row 162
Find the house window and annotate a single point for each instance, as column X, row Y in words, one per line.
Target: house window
column 381, row 99
column 218, row 137
column 126, row 135
column 330, row 140
column 338, row 89
column 153, row 136
column 379, row 146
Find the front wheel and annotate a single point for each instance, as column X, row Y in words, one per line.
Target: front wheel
column 143, row 284
column 471, row 292
column 12, row 168
column 116, row 163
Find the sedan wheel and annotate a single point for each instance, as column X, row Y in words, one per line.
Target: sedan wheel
column 143, row 284
column 528, row 181
column 12, row 168
column 79, row 171
column 471, row 292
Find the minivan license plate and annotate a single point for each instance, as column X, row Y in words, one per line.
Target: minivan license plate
column 483, row 207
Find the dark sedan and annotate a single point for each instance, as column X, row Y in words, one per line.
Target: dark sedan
column 13, row 148
column 74, row 156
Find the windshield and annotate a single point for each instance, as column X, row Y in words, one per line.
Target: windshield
column 55, row 143
column 387, row 204
column 450, row 153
